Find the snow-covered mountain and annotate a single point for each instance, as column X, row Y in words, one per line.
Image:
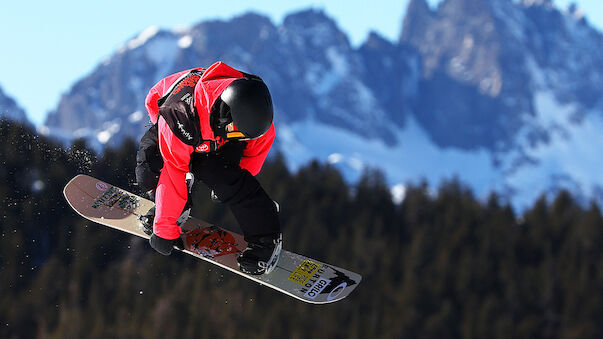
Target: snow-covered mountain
column 499, row 93
column 307, row 61
column 10, row 109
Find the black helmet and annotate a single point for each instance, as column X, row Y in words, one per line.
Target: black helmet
column 247, row 103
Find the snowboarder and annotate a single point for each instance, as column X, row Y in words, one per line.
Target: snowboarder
column 215, row 124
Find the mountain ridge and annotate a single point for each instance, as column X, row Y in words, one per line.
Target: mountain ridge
column 10, row 109
column 494, row 86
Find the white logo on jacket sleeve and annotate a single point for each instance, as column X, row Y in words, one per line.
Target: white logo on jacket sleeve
column 186, row 134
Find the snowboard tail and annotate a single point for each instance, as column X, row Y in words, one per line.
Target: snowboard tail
column 298, row 276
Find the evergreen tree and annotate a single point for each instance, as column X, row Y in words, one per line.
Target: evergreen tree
column 441, row 264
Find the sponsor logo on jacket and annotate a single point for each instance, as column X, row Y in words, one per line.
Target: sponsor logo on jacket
column 202, row 148
column 183, row 131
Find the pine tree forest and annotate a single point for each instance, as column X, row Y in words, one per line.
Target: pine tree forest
column 441, row 264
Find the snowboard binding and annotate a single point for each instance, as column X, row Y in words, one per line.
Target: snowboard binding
column 261, row 256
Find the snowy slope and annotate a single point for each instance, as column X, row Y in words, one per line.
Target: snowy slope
column 571, row 159
column 413, row 159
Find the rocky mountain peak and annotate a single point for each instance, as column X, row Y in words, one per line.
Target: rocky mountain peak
column 466, row 9
column 418, row 17
column 547, row 4
column 459, row 38
column 308, row 18
column 10, row 109
column 313, row 26
column 256, row 26
column 505, row 53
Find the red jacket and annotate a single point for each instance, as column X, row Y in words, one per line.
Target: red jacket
column 171, row 192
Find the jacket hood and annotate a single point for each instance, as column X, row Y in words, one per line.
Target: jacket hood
column 211, row 85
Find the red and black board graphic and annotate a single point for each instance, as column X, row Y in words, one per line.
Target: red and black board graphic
column 211, row 242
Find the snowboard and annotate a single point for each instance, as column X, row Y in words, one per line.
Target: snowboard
column 300, row 277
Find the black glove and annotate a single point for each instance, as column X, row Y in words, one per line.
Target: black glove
column 231, row 152
column 165, row 246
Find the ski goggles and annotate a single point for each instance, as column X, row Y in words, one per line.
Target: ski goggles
column 232, row 132
column 223, row 124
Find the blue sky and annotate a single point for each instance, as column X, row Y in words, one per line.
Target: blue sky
column 57, row 42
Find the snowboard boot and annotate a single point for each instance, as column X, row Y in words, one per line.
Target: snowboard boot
column 261, row 255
